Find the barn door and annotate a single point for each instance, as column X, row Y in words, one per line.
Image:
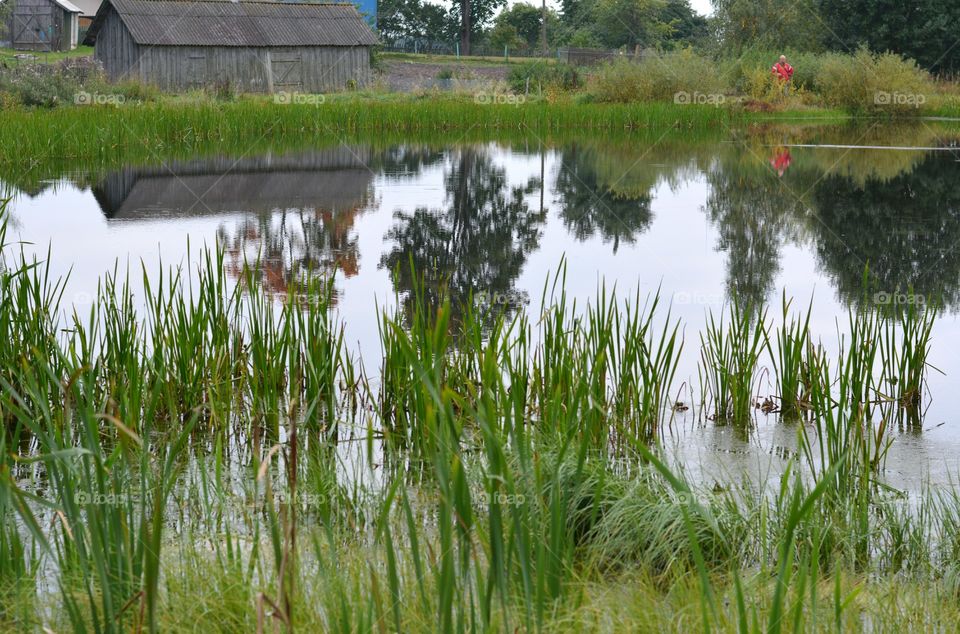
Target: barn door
column 196, row 70
column 287, row 71
column 33, row 27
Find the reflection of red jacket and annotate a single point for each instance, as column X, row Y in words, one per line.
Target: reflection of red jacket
column 783, row 71
column 781, row 162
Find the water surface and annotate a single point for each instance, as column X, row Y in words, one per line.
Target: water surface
column 753, row 214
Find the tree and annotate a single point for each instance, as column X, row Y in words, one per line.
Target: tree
column 925, row 30
column 630, row 23
column 415, row 20
column 527, row 20
column 688, row 26
column 771, row 24
column 473, row 21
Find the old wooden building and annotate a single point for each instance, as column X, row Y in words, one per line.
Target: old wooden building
column 43, row 25
column 248, row 46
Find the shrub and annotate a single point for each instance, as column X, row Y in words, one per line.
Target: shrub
column 660, row 78
column 66, row 83
column 543, row 75
column 742, row 72
column 876, row 83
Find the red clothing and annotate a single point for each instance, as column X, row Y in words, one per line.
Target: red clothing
column 782, row 161
column 783, row 71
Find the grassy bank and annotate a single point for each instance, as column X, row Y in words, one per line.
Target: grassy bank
column 204, row 457
column 95, row 133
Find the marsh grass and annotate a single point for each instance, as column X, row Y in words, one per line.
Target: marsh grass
column 791, row 358
column 730, row 353
column 156, row 459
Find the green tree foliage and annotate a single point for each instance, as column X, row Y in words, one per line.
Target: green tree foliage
column 480, row 16
column 415, row 19
column 769, row 24
column 519, row 27
column 925, row 30
column 631, row 23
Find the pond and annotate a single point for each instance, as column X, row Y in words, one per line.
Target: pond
column 803, row 211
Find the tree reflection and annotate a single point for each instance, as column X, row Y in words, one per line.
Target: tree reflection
column 905, row 229
column 475, row 245
column 753, row 216
column 293, row 246
column 589, row 206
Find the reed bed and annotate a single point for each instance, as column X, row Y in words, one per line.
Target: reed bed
column 176, row 461
column 157, row 127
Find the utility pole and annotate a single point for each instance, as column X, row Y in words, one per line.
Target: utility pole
column 464, row 27
column 543, row 26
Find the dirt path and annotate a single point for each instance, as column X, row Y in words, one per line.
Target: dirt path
column 408, row 76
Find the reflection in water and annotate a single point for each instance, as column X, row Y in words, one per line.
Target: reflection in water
column 299, row 208
column 752, row 216
column 590, row 206
column 476, row 244
column 896, row 211
column 905, row 229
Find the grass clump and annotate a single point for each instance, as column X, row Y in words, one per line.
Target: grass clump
column 667, row 77
column 538, row 76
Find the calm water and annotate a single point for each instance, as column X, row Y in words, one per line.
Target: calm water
column 757, row 212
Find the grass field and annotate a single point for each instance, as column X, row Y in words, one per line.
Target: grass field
column 10, row 55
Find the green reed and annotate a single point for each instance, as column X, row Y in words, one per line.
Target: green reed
column 156, row 458
column 730, row 352
column 904, row 341
column 790, row 358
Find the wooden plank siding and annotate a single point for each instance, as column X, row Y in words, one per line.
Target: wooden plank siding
column 37, row 25
column 309, row 69
column 117, row 51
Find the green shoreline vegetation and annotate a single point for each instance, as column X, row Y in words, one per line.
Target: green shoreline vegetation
column 179, row 466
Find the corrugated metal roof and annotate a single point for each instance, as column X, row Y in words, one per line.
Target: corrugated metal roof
column 72, row 8
column 219, row 23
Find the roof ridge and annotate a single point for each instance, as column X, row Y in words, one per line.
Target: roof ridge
column 307, row 3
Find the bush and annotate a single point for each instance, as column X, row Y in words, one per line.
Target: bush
column 543, row 76
column 660, row 78
column 742, row 72
column 66, row 83
column 874, row 83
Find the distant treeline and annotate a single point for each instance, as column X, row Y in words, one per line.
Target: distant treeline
column 925, row 30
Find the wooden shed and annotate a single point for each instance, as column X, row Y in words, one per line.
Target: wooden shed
column 43, row 25
column 249, row 46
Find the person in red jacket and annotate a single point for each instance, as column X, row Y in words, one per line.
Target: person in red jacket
column 784, row 73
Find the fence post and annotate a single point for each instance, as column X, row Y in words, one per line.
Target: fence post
column 458, row 50
column 505, row 56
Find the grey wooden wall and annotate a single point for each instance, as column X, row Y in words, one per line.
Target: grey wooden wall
column 39, row 25
column 288, row 69
column 116, row 50
column 303, row 69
